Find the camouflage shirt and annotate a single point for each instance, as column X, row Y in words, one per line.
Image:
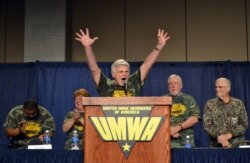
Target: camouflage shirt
column 183, row 106
column 78, row 127
column 220, row 118
column 34, row 127
column 108, row 87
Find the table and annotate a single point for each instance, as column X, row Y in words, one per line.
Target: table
column 197, row 155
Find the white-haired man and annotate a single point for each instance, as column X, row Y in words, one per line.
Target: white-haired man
column 225, row 118
column 122, row 84
column 185, row 113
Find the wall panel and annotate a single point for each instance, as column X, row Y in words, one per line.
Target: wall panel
column 216, row 30
column 12, row 31
column 247, row 11
column 142, row 21
column 104, row 19
column 2, row 29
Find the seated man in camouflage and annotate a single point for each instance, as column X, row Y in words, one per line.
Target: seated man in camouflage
column 185, row 113
column 225, row 118
column 25, row 124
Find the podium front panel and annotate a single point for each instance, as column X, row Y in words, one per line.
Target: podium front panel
column 98, row 151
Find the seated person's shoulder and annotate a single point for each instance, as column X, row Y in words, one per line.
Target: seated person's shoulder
column 16, row 109
column 212, row 101
column 188, row 96
column 236, row 100
column 43, row 110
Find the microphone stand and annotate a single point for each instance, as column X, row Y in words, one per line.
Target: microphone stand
column 125, row 86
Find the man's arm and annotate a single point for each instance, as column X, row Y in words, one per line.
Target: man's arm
column 13, row 125
column 240, row 129
column 223, row 139
column 87, row 42
column 151, row 58
column 11, row 132
column 242, row 124
column 182, row 126
column 189, row 122
column 208, row 125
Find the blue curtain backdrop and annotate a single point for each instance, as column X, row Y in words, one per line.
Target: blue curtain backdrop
column 52, row 85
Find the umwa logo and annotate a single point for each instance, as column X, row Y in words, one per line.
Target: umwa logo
column 127, row 125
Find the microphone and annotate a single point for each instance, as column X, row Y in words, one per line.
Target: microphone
column 125, row 85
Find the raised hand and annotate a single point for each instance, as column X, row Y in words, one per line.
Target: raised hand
column 84, row 38
column 162, row 37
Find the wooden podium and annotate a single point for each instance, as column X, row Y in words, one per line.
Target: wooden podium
column 98, row 151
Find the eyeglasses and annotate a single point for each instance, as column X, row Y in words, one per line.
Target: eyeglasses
column 220, row 86
column 29, row 115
